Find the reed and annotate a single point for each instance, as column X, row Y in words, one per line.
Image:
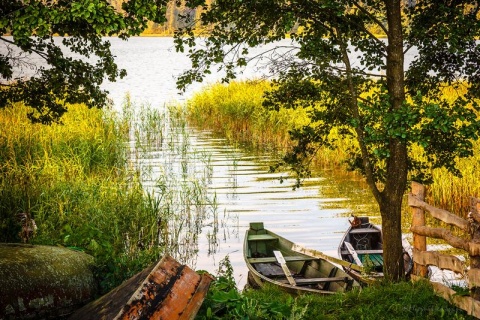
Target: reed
column 235, row 111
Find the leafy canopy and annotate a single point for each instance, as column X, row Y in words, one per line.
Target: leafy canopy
column 45, row 71
column 332, row 58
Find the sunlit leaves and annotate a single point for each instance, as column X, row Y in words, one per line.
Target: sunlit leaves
column 54, row 78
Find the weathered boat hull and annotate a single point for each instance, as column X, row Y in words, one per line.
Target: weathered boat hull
column 308, row 274
column 168, row 291
column 362, row 246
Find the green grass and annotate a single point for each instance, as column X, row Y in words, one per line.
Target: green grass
column 73, row 179
column 391, row 301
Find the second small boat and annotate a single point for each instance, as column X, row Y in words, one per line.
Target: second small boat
column 362, row 245
column 272, row 259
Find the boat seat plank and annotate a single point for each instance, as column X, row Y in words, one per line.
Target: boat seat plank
column 287, row 259
column 261, row 237
column 376, row 259
column 320, row 280
column 364, row 230
column 379, row 251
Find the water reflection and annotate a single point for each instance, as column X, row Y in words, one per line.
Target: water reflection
column 238, row 187
column 209, row 191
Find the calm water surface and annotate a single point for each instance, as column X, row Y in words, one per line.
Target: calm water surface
column 314, row 215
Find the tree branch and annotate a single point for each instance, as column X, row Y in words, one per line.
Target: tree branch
column 358, row 129
column 372, row 17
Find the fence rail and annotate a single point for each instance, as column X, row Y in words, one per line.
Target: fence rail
column 469, row 241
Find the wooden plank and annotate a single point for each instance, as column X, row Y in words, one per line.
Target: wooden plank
column 443, row 261
column 321, row 280
column 287, row 258
column 473, row 278
column 365, row 230
column 283, row 264
column 437, row 213
column 418, row 219
column 379, row 251
column 261, row 237
column 256, row 226
column 322, row 255
column 166, row 293
column 376, row 259
column 168, row 290
column 351, row 250
column 441, row 233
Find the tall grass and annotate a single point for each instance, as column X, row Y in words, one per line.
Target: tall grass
column 73, row 180
column 383, row 300
column 88, row 185
column 236, row 111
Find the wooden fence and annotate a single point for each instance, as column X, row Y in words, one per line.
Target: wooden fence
column 467, row 239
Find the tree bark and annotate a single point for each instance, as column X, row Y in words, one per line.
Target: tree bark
column 396, row 177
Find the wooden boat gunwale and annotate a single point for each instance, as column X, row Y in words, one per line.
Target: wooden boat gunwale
column 165, row 290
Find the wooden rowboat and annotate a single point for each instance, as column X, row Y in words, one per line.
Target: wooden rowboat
column 362, row 246
column 272, row 259
column 168, row 291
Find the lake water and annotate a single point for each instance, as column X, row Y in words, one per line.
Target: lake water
column 315, row 215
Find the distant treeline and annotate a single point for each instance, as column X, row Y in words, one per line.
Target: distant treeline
column 173, row 13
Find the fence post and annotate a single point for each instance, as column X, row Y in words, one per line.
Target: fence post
column 475, row 238
column 418, row 219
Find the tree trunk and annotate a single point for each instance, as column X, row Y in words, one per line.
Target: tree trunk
column 396, row 180
column 392, row 239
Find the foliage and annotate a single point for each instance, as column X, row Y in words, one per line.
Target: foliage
column 356, row 84
column 398, row 301
column 47, row 72
column 224, row 301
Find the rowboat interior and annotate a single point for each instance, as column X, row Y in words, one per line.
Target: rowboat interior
column 271, row 257
column 363, row 246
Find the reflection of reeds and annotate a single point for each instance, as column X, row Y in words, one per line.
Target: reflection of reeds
column 236, row 112
column 178, row 175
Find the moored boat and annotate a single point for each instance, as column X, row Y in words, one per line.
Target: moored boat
column 362, row 246
column 272, row 259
